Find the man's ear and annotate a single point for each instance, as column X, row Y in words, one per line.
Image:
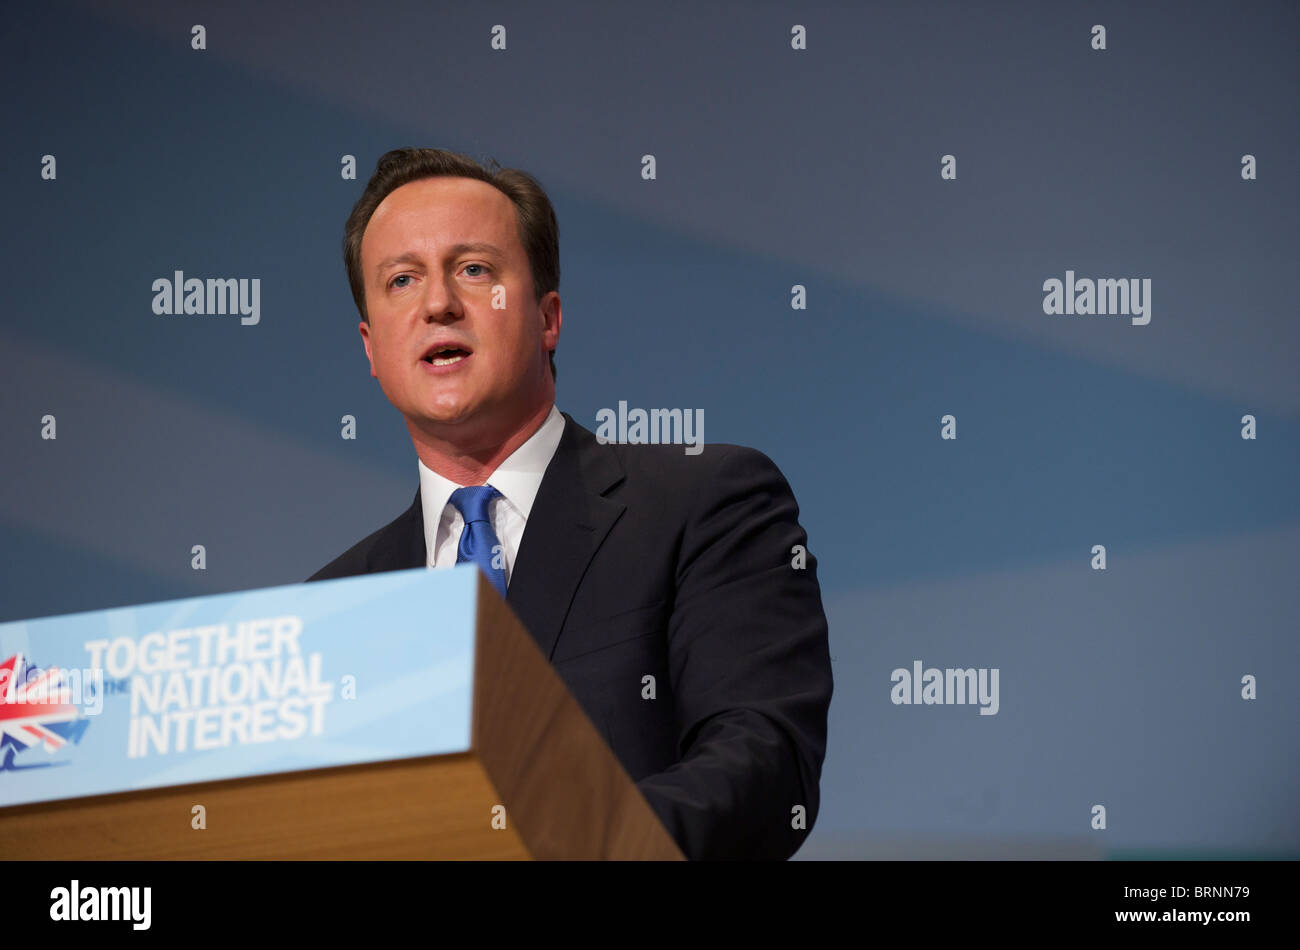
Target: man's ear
column 552, row 318
column 365, row 341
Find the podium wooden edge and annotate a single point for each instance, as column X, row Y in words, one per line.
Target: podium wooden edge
column 572, row 798
column 363, row 811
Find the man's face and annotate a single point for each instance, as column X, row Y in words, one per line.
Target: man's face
column 431, row 256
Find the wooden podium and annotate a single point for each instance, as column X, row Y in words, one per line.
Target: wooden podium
column 538, row 781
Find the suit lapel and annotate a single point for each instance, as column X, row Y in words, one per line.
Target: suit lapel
column 403, row 544
column 569, row 520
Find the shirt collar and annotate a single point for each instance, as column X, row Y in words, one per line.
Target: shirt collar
column 518, row 478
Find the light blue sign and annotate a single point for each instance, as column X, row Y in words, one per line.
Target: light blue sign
column 304, row 676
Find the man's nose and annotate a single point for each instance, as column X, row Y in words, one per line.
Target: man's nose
column 441, row 302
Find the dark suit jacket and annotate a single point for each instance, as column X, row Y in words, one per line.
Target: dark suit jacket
column 640, row 559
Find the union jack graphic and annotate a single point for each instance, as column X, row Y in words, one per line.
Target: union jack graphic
column 38, row 710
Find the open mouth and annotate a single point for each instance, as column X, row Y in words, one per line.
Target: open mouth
column 446, row 356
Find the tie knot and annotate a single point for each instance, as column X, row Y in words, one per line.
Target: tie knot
column 472, row 501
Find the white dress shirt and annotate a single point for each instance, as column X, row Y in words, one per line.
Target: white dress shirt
column 517, row 479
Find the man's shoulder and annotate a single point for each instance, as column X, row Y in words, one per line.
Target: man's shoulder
column 666, row 475
column 669, row 468
column 364, row 556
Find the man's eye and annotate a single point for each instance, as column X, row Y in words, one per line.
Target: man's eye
column 480, row 266
column 394, row 281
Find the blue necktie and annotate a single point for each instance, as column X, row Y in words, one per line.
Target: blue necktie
column 478, row 542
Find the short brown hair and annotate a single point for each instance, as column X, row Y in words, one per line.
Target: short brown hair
column 538, row 230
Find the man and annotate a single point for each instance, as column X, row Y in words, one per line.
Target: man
column 622, row 561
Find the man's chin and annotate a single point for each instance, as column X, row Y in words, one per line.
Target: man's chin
column 452, row 414
column 437, row 418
